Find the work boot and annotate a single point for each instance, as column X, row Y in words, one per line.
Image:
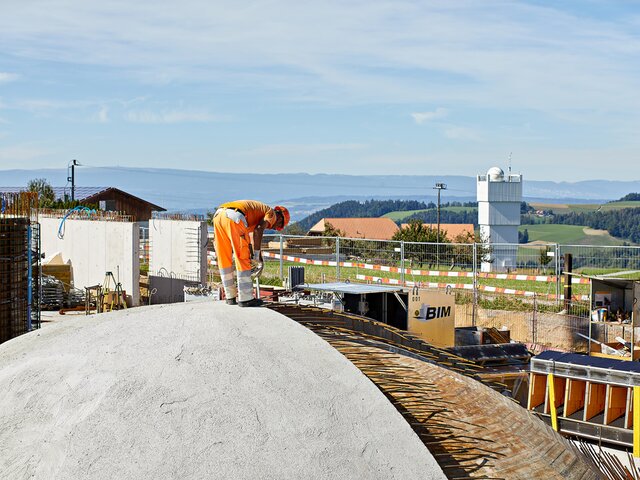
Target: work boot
column 254, row 302
column 231, row 301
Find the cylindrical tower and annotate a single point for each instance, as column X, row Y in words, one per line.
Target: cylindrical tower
column 499, row 199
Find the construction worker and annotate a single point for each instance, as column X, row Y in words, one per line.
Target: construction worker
column 232, row 223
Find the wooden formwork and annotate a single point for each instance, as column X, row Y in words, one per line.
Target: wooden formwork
column 471, row 429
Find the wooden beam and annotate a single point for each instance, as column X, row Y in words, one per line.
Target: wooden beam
column 552, row 401
column 636, row 422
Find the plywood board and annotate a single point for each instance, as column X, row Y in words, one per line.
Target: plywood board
column 574, row 396
column 595, row 397
column 537, row 390
column 615, row 404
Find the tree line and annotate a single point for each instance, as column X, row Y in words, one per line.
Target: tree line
column 378, row 208
column 354, row 208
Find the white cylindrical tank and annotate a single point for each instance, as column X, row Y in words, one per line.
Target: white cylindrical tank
column 499, row 198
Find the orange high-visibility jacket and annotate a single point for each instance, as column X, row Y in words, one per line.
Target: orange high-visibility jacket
column 254, row 211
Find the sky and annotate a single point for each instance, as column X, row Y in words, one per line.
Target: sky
column 353, row 87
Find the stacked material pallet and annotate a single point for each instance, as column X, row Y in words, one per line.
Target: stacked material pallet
column 52, row 293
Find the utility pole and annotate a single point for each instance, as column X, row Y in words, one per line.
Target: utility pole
column 439, row 187
column 72, row 178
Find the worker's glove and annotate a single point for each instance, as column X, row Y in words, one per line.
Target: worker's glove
column 257, row 264
column 256, row 268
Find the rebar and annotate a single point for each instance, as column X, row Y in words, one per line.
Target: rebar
column 14, row 276
column 21, row 204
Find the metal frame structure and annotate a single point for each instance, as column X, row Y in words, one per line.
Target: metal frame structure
column 605, row 372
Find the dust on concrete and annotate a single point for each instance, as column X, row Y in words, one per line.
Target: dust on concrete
column 195, row 391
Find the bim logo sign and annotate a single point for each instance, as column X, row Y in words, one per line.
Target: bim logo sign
column 428, row 312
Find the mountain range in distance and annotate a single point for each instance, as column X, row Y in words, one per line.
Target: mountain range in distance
column 201, row 191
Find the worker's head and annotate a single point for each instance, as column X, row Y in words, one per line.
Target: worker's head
column 282, row 217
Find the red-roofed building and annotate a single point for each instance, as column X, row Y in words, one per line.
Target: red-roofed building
column 381, row 228
column 452, row 230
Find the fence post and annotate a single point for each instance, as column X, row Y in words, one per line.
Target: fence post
column 534, row 321
column 557, row 267
column 29, row 278
column 475, row 284
column 337, row 259
column 402, row 276
column 281, row 261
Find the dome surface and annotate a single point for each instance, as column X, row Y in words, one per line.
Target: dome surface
column 192, row 391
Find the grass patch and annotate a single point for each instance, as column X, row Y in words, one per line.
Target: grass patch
column 568, row 234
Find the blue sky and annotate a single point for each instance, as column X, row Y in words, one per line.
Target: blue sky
column 376, row 87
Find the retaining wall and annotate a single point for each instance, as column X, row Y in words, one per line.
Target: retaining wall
column 95, row 247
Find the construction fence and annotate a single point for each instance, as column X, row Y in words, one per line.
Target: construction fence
column 527, row 297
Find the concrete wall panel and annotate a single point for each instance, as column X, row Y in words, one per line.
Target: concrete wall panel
column 94, row 248
column 178, row 249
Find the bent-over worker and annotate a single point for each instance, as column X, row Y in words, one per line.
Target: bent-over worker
column 232, row 223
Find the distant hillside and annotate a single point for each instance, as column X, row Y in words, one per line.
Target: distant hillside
column 177, row 189
column 623, row 223
column 562, row 208
column 568, row 235
column 368, row 208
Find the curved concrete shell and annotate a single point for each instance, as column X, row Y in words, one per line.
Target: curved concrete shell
column 195, row 391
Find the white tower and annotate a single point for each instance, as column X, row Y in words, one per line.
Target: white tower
column 499, row 200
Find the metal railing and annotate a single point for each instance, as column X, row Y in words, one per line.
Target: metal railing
column 518, row 286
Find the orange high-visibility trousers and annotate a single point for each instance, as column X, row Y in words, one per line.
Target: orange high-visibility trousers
column 232, row 239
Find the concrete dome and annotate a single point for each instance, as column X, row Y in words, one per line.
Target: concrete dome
column 495, row 174
column 195, row 391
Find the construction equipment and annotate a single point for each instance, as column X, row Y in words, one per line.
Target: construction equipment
column 98, row 298
column 605, row 348
column 115, row 298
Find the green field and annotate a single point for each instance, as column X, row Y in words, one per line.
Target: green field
column 402, row 214
column 569, row 235
column 583, row 207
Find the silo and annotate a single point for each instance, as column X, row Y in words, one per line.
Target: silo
column 499, row 199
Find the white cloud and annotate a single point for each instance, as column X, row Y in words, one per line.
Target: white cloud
column 168, row 117
column 496, row 53
column 6, row 77
column 102, row 116
column 422, row 117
